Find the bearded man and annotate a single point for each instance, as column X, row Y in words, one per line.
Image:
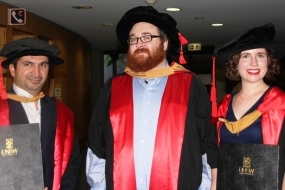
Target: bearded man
column 151, row 123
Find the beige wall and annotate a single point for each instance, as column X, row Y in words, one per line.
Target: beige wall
column 73, row 76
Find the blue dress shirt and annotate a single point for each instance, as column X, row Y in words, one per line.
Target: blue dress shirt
column 147, row 95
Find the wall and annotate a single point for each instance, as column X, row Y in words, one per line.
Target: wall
column 200, row 63
column 73, row 78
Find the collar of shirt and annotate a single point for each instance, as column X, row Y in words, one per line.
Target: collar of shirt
column 21, row 92
column 152, row 81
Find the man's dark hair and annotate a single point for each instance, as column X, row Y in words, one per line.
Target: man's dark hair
column 164, row 38
column 15, row 61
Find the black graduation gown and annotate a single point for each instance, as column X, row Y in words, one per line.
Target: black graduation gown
column 48, row 128
column 199, row 136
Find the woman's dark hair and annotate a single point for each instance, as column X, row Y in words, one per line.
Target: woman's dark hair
column 273, row 68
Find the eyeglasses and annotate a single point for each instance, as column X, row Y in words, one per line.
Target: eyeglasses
column 144, row 39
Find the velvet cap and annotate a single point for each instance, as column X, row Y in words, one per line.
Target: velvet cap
column 30, row 46
column 150, row 15
column 258, row 37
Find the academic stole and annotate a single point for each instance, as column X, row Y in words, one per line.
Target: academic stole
column 169, row 135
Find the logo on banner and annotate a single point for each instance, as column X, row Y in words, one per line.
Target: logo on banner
column 10, row 150
column 246, row 169
column 16, row 16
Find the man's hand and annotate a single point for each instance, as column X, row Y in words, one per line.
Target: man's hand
column 214, row 179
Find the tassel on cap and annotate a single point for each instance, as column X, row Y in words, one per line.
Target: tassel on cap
column 3, row 93
column 213, row 97
column 181, row 57
column 183, row 41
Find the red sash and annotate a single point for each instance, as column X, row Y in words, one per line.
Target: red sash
column 272, row 109
column 63, row 142
column 4, row 112
column 4, row 108
column 169, row 135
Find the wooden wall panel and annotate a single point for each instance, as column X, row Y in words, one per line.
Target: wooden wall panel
column 73, row 76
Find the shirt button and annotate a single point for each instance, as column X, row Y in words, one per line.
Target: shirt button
column 142, row 141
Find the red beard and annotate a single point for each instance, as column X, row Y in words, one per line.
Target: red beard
column 144, row 62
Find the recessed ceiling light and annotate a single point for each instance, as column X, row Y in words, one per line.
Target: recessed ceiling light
column 173, row 9
column 217, row 24
column 82, row 7
column 107, row 24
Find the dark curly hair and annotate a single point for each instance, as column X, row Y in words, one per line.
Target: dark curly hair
column 273, row 68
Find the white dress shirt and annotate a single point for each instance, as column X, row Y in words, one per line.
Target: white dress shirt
column 34, row 115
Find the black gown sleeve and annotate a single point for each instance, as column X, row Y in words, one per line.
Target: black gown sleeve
column 207, row 131
column 199, row 138
column 97, row 129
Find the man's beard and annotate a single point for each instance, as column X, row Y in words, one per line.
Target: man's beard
column 141, row 63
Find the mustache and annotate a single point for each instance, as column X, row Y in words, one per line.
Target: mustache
column 32, row 77
column 141, row 51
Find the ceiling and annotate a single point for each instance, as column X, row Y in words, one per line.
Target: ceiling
column 236, row 15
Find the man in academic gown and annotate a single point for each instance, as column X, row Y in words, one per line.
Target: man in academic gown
column 151, row 123
column 28, row 60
